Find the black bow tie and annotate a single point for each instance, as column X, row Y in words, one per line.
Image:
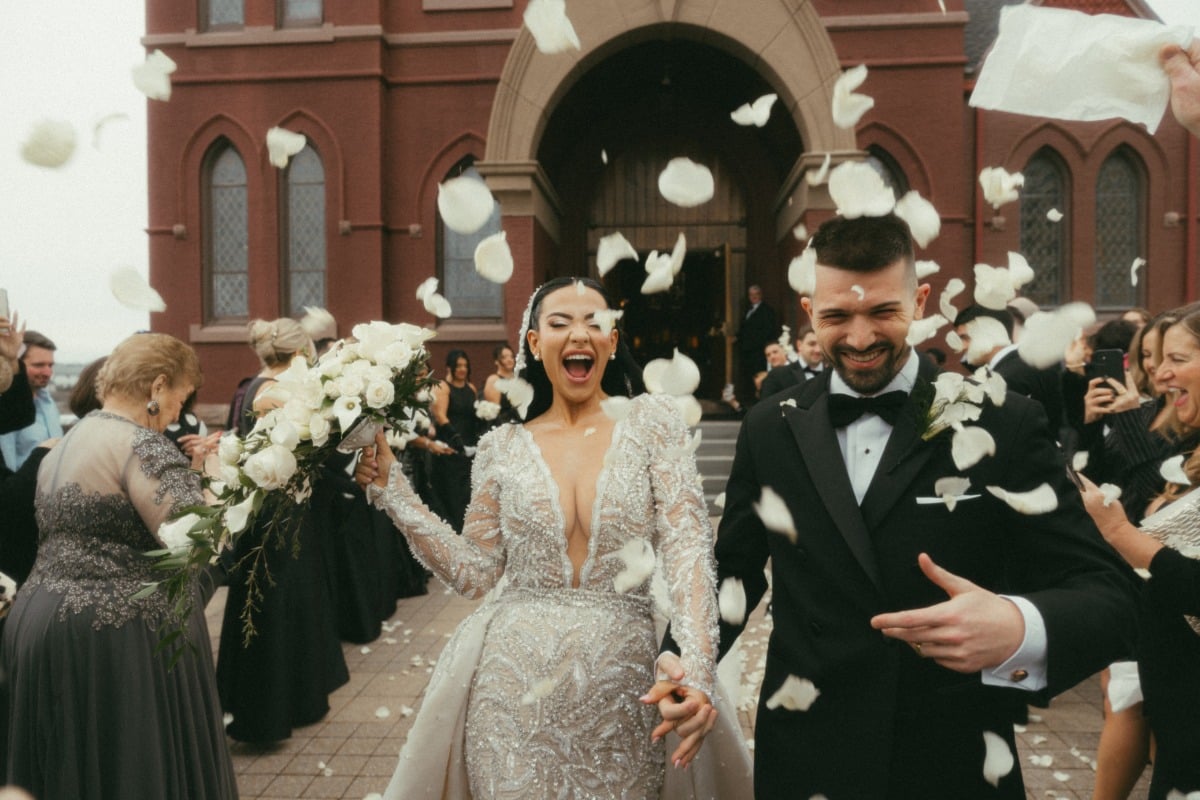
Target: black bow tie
column 844, row 409
column 812, row 370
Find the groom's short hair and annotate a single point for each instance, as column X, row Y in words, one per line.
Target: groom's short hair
column 863, row 244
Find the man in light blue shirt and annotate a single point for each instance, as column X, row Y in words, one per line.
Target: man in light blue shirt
column 38, row 358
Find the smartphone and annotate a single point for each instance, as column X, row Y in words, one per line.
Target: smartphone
column 1108, row 364
column 1074, row 476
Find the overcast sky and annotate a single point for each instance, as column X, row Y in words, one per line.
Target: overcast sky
column 62, row 232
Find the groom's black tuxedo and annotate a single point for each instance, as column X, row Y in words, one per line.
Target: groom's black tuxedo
column 888, row 724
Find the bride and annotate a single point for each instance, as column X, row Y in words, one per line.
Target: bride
column 539, row 692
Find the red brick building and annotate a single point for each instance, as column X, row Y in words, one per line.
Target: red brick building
column 395, row 97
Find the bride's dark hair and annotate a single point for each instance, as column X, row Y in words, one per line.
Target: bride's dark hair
column 622, row 375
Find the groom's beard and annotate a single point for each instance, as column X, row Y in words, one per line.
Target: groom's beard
column 868, row 381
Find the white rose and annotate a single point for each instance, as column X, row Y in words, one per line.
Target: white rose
column 236, row 516
column 229, row 450
column 330, row 367
column 230, row 475
column 318, row 429
column 380, row 394
column 350, row 384
column 174, row 533
column 346, row 409
column 285, row 434
column 487, row 410
column 412, row 335
column 271, row 468
column 332, row 389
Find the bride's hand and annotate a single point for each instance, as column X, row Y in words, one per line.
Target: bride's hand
column 375, row 463
column 686, row 710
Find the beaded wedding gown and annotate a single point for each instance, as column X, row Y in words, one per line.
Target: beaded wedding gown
column 536, row 694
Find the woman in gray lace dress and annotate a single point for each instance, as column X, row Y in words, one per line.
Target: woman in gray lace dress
column 539, row 692
column 96, row 712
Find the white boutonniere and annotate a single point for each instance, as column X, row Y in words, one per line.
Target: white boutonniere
column 958, row 400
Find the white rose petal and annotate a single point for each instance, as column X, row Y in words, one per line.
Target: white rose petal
column 678, row 253
column 950, row 489
column 731, row 600
column 494, row 258
column 773, row 512
column 998, row 760
column 1079, row 461
column 802, row 272
column 1048, row 333
column 519, row 392
column 658, row 280
column 383, row 712
column 923, row 329
column 923, row 219
column 638, row 556
column 131, row 290
column 999, row 187
column 1019, row 271
column 174, row 533
column 50, row 143
column 1041, row 500
column 755, row 114
column 552, row 31
column 153, row 76
column 955, row 341
column 607, row 318
column 616, row 407
column 954, row 287
column 689, row 409
column 993, row 287
column 719, row 500
column 465, row 203
column 1062, row 776
column 1172, row 471
column 926, row 268
column 677, row 375
column 271, row 468
column 686, row 183
column 796, row 694
column 543, row 688
column 1054, row 215
column 282, row 144
column 820, row 176
column 613, row 249
column 1133, row 270
column 487, row 410
column 800, row 232
column 859, row 191
column 986, row 335
column 970, row 445
column 1110, row 492
column 849, row 107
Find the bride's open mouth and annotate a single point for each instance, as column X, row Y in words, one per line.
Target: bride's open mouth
column 578, row 366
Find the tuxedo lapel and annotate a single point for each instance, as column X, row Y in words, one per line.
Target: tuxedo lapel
column 819, row 448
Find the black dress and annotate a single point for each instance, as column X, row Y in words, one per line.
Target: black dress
column 452, row 473
column 283, row 678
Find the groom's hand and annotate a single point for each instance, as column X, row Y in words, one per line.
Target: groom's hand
column 972, row 631
column 687, row 711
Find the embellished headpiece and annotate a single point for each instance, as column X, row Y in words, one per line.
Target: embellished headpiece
column 523, row 334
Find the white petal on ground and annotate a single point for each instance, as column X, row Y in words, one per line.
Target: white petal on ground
column 613, row 249
column 954, row 288
column 993, row 287
column 607, row 318
column 849, row 107
column 1079, row 461
column 986, row 335
column 659, row 280
column 773, row 512
column 1000, row 187
column 50, row 143
column 552, row 31
column 796, row 694
column 970, row 445
column 923, row 219
column 519, row 392
column 954, row 341
column 926, row 268
column 153, row 76
column 821, row 175
column 1111, row 492
column 282, row 144
column 859, row 191
column 719, row 500
column 950, row 488
column 756, row 113
column 1172, row 471
column 998, row 759
column 1054, row 215
column 923, row 329
column 494, row 259
column 465, row 203
column 132, row 290
column 1049, row 333
column 800, row 232
column 731, row 600
column 638, row 556
column 383, row 712
column 802, row 272
column 616, row 407
column 543, row 688
column 686, row 183
column 1041, row 500
column 1062, row 776
column 1019, row 271
column 1133, row 270
column 406, row 711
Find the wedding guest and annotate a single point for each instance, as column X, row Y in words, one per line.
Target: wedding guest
column 96, row 711
column 18, row 545
column 503, row 358
column 38, row 365
column 282, row 676
column 453, row 412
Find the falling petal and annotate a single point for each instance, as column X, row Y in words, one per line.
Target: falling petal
column 552, row 31
column 719, row 500
column 607, row 318
column 848, row 107
column 992, row 384
column 955, row 341
column 942, row 5
column 1133, row 270
column 616, row 407
column 437, row 305
column 923, row 220
column 1019, row 271
column 800, row 232
column 543, row 688
column 50, row 143
column 796, row 694
column 689, row 408
column 103, row 123
column 686, row 183
column 821, row 175
column 802, row 272
column 638, row 556
column 923, row 329
column 954, row 287
column 1000, row 187
column 659, row 280
column 153, row 76
column 1172, row 471
column 926, row 268
column 580, row 287
column 613, row 249
column 588, row 431
column 755, row 114
column 970, row 445
column 858, row 290
column 603, row 156
column 465, row 203
column 132, row 290
column 383, row 712
column 993, row 287
column 1041, row 500
column 494, row 259
column 1048, row 333
column 282, row 144
column 950, row 489
column 998, row 760
column 678, row 253
column 1054, row 215
column 859, row 191
column 1079, row 461
column 773, row 512
column 518, row 391
column 1111, row 492
column 731, row 600
column 789, row 402
column 986, row 335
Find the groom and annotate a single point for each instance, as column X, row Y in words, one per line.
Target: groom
column 921, row 627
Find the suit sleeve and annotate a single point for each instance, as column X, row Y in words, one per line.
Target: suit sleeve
column 16, row 404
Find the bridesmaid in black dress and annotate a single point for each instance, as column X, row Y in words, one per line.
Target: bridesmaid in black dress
column 453, row 413
column 505, row 361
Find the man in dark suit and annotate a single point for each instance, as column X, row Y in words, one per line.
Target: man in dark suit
column 808, row 365
column 759, row 326
column 1042, row 385
column 922, row 627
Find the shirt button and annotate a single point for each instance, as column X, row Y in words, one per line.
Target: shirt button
column 1019, row 675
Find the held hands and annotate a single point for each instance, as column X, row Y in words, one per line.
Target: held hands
column 686, row 710
column 1183, row 68
column 375, row 463
column 972, row 631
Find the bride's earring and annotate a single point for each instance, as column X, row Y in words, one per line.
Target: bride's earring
column 537, row 356
column 152, row 407
column 612, row 356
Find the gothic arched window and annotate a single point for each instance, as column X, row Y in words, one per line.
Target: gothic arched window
column 1044, row 241
column 226, row 234
column 470, row 295
column 1120, row 229
column 303, row 224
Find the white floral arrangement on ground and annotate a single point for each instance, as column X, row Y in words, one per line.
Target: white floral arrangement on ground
column 377, row 379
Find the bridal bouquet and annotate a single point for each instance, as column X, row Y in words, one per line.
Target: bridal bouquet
column 378, row 379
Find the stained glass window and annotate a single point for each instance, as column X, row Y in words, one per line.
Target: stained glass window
column 227, row 234
column 1043, row 241
column 1119, row 230
column 224, row 14
column 470, row 296
column 294, row 13
column 883, row 163
column 305, row 226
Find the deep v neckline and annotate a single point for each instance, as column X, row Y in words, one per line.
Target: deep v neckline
column 554, row 494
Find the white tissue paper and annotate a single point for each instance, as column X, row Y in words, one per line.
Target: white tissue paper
column 1050, row 62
